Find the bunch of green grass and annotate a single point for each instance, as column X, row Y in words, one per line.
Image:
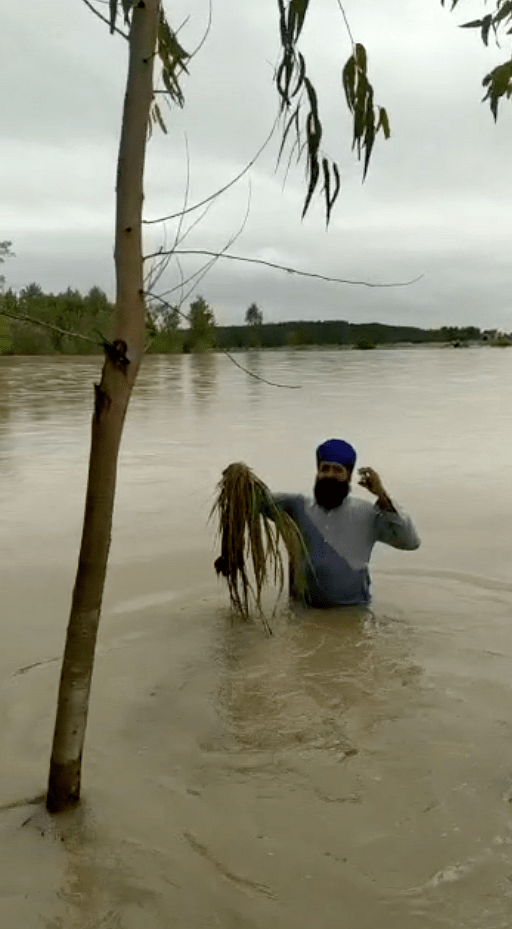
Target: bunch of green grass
column 251, row 528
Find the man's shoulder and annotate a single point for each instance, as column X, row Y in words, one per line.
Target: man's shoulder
column 290, row 502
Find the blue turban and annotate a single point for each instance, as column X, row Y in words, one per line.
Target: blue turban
column 338, row 451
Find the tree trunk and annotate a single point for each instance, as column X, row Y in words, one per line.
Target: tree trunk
column 122, row 361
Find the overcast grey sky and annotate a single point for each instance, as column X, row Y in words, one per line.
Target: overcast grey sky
column 437, row 200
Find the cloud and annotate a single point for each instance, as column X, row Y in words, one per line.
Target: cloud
column 436, row 200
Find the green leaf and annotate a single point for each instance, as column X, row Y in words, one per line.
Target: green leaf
column 369, row 132
column 486, row 25
column 474, row 24
column 127, row 7
column 294, row 120
column 360, row 56
column 313, row 99
column 504, row 11
column 314, row 174
column 297, row 9
column 113, row 14
column 359, row 121
column 349, row 79
column 313, row 136
column 330, row 198
column 327, row 184
column 337, row 185
column 284, row 78
column 173, row 58
column 499, row 84
column 300, row 76
column 285, row 41
column 159, row 118
column 383, row 123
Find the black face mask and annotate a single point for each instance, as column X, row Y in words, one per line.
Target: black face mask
column 330, row 492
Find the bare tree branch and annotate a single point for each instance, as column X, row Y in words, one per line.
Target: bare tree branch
column 195, row 223
column 192, row 277
column 218, row 255
column 299, row 273
column 158, row 267
column 22, row 317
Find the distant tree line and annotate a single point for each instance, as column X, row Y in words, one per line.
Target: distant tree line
column 171, row 330
column 87, row 316
column 70, row 323
column 299, row 334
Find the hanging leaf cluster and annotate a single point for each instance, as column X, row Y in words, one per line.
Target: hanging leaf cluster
column 127, row 6
column 172, row 55
column 173, row 58
column 300, row 110
column 498, row 82
column 368, row 118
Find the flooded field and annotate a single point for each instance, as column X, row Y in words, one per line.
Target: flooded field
column 354, row 769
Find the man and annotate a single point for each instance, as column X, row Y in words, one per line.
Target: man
column 340, row 530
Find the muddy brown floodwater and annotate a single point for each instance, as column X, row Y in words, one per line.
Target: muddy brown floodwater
column 354, row 769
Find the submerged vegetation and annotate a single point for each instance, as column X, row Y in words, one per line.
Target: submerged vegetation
column 253, row 529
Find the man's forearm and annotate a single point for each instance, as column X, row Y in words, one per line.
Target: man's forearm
column 384, row 502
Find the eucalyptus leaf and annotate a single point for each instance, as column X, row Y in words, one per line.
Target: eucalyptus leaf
column 113, row 14
column 127, row 8
column 159, row 118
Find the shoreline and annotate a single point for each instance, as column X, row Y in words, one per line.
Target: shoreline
column 384, row 346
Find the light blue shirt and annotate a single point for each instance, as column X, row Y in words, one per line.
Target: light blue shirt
column 340, row 542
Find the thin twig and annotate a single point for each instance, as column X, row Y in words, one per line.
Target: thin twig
column 105, row 20
column 223, row 350
column 228, row 244
column 169, row 306
column 184, row 23
column 196, row 278
column 158, row 267
column 221, row 190
column 185, row 196
column 195, row 223
column 22, row 317
column 347, row 24
column 197, row 274
column 205, row 35
column 299, row 273
column 164, row 265
column 182, row 284
column 257, row 376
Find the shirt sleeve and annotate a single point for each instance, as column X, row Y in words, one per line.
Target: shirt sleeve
column 396, row 528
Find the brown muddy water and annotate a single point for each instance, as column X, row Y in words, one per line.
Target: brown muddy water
column 353, row 770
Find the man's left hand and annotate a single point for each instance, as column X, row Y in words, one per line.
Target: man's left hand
column 370, row 480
